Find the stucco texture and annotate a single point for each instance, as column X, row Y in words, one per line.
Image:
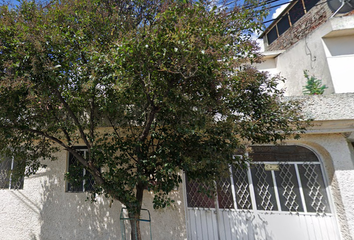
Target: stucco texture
column 336, row 155
column 332, row 107
column 42, row 210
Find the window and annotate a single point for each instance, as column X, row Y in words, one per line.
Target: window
column 272, row 35
column 296, row 12
column 280, row 178
column 196, row 197
column 310, row 4
column 283, row 24
column 79, row 179
column 7, row 178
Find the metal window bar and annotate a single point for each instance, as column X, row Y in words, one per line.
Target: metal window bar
column 7, row 181
column 276, row 192
column 302, row 196
column 11, row 168
column 233, row 188
column 292, row 197
column 84, row 151
column 252, row 191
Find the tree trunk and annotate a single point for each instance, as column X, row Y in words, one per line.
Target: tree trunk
column 134, row 213
column 135, row 227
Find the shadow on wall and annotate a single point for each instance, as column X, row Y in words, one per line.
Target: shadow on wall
column 70, row 216
column 168, row 223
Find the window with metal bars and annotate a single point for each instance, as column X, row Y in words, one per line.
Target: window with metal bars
column 78, row 178
column 280, row 178
column 289, row 18
column 7, row 178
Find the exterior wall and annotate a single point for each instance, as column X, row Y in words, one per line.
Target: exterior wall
column 338, row 44
column 337, row 157
column 307, row 54
column 42, row 210
column 340, row 57
column 330, row 108
column 327, row 53
column 304, row 26
column 330, row 137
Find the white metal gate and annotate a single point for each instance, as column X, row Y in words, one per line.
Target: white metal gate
column 282, row 195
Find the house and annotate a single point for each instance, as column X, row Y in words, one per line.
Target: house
column 302, row 189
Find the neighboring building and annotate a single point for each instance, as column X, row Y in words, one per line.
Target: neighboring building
column 300, row 190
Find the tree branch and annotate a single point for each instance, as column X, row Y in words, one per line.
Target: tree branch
column 92, row 116
column 116, row 132
column 151, row 116
column 76, row 120
column 88, row 165
column 62, row 129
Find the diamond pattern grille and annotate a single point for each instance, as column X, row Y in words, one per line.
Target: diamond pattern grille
column 314, row 188
column 263, row 188
column 225, row 194
column 197, row 195
column 17, row 184
column 242, row 190
column 291, row 186
column 288, row 188
column 6, row 177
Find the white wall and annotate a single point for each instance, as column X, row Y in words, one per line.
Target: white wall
column 42, row 210
column 307, row 54
column 340, row 56
column 327, row 53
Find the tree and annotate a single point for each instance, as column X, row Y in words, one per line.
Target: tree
column 151, row 88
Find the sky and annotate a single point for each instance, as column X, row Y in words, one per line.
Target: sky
column 275, row 9
column 278, row 10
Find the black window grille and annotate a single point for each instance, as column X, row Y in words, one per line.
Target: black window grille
column 296, row 12
column 79, row 179
column 7, row 178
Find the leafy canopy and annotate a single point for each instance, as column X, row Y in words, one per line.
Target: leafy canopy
column 150, row 88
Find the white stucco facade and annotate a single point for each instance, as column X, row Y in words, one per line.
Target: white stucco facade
column 43, row 210
column 326, row 53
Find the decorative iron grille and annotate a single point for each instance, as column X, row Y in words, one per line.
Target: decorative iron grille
column 82, row 180
column 7, row 180
column 271, row 183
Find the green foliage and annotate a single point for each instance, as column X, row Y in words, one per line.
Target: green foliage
column 314, row 85
column 150, row 88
